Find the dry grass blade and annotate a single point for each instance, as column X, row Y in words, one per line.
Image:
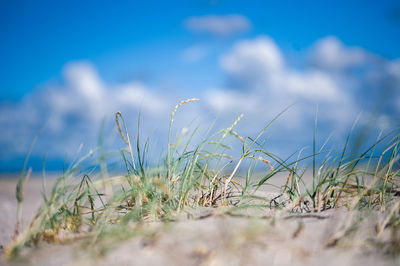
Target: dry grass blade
column 125, row 139
column 20, row 198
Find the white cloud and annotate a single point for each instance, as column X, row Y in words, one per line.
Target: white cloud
column 266, row 84
column 219, row 25
column 331, row 53
column 84, row 81
column 262, row 82
column 74, row 110
column 260, row 63
column 135, row 94
column 312, row 85
column 231, row 101
column 259, row 56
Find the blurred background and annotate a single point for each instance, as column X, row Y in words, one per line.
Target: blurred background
column 67, row 67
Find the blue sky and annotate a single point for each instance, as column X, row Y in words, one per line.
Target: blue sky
column 169, row 50
column 39, row 37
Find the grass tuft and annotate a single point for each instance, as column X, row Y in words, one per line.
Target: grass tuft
column 91, row 205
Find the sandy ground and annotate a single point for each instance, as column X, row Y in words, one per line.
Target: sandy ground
column 215, row 239
column 8, row 205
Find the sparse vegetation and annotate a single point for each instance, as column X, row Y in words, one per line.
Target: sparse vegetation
column 90, row 205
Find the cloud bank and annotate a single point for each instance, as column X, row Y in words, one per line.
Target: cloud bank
column 260, row 82
column 71, row 113
column 342, row 81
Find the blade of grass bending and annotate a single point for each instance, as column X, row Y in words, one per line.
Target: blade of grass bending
column 314, row 155
column 168, row 159
column 44, row 193
column 127, row 139
column 140, row 160
column 23, row 178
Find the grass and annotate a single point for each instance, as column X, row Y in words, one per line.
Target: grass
column 89, row 204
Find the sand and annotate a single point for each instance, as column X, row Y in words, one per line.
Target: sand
column 206, row 237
